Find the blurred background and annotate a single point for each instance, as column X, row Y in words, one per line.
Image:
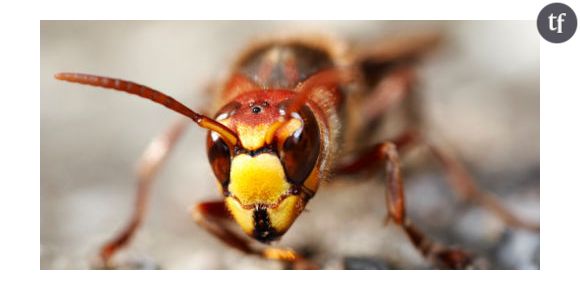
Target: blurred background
column 481, row 96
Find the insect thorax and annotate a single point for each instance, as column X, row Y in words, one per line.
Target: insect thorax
column 284, row 65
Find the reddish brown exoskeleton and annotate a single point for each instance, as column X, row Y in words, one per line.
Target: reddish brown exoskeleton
column 289, row 109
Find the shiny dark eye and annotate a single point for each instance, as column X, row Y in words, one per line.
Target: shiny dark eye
column 218, row 153
column 299, row 152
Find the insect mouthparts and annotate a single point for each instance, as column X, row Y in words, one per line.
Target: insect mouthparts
column 263, row 230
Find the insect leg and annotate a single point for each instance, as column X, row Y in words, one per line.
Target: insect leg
column 396, row 49
column 213, row 217
column 458, row 177
column 387, row 154
column 388, row 70
column 467, row 189
column 149, row 165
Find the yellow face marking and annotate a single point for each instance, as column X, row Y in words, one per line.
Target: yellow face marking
column 253, row 137
column 313, row 180
column 282, row 217
column 244, row 217
column 257, row 180
column 289, row 128
column 283, row 129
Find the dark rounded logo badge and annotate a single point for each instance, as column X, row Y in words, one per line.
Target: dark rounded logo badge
column 557, row 22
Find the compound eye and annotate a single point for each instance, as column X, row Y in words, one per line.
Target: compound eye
column 218, row 153
column 299, row 151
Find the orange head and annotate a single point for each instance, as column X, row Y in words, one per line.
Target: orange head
column 264, row 147
column 268, row 177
